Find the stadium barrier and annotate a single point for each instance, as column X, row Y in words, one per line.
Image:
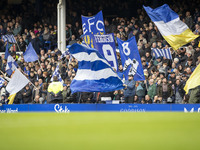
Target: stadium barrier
column 66, row 108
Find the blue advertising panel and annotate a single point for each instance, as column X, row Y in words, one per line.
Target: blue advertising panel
column 66, row 108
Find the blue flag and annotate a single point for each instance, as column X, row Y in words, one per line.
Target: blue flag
column 130, row 58
column 94, row 73
column 93, row 25
column 105, row 44
column 11, row 65
column 7, row 51
column 30, row 55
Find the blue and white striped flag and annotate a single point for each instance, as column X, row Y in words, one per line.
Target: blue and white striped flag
column 11, row 65
column 57, row 73
column 1, row 82
column 9, row 37
column 94, row 72
column 64, row 54
column 162, row 53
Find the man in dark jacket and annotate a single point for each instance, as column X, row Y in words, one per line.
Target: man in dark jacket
column 68, row 97
column 129, row 90
column 86, row 97
column 179, row 92
column 27, row 95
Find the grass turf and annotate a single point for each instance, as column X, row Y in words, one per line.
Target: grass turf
column 100, row 131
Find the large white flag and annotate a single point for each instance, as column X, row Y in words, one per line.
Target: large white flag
column 17, row 82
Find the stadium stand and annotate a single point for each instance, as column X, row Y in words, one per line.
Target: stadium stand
column 165, row 78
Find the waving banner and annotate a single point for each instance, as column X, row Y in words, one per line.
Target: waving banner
column 93, row 25
column 131, row 60
column 94, row 73
column 105, row 44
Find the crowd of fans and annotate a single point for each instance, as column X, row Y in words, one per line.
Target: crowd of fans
column 165, row 79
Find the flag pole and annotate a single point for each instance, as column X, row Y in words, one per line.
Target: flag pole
column 40, row 64
column 18, row 47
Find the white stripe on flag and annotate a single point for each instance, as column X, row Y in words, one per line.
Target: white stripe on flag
column 87, row 74
column 174, row 27
column 83, row 56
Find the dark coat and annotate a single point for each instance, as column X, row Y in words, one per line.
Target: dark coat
column 85, row 96
column 180, row 89
column 68, row 97
column 159, row 90
column 130, row 90
column 27, row 98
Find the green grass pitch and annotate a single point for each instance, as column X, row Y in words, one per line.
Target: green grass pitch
column 100, row 131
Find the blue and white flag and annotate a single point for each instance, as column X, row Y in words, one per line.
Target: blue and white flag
column 11, row 65
column 93, row 25
column 130, row 58
column 1, row 82
column 30, row 55
column 57, row 73
column 162, row 53
column 65, row 53
column 105, row 44
column 9, row 37
column 173, row 30
column 94, row 73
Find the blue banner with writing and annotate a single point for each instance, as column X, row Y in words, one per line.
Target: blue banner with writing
column 93, row 25
column 130, row 58
column 66, row 108
column 105, row 44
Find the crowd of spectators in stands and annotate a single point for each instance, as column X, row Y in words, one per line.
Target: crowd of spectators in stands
column 165, row 79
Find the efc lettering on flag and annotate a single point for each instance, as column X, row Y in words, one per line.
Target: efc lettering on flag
column 174, row 31
column 105, row 44
column 94, row 73
column 162, row 53
column 93, row 25
column 30, row 55
column 130, row 58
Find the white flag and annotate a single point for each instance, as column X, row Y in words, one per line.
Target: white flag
column 17, row 82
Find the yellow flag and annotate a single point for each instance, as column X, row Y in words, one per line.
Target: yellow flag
column 194, row 80
column 11, row 98
column 199, row 44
